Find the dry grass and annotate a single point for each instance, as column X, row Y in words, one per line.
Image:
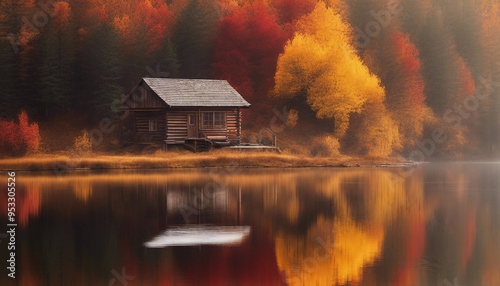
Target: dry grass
column 161, row 159
column 297, row 153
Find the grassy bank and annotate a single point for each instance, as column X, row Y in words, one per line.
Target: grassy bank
column 187, row 160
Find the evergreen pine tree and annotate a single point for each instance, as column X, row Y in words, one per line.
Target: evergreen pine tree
column 9, row 58
column 101, row 71
column 167, row 58
column 57, row 50
column 194, row 36
column 438, row 63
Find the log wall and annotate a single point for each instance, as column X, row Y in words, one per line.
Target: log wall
column 141, row 127
column 177, row 122
column 173, row 125
column 232, row 121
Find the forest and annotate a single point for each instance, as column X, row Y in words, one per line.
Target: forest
column 416, row 78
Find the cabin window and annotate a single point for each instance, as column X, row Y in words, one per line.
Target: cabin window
column 192, row 119
column 214, row 120
column 153, row 125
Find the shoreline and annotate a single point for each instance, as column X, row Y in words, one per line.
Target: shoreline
column 165, row 160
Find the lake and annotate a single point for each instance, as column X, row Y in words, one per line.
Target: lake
column 436, row 224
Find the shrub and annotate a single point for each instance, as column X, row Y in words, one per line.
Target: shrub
column 377, row 135
column 19, row 138
column 82, row 144
column 293, row 117
column 325, row 146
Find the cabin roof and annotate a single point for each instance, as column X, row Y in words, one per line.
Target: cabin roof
column 196, row 92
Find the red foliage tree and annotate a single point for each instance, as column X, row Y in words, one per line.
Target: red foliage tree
column 409, row 60
column 289, row 11
column 246, row 50
column 19, row 138
column 466, row 80
column 157, row 19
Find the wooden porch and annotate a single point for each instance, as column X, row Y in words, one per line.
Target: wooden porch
column 208, row 142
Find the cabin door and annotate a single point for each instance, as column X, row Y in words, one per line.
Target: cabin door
column 192, row 126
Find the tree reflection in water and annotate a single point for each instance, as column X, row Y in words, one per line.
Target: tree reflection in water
column 308, row 226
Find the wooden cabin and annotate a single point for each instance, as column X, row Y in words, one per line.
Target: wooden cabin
column 199, row 113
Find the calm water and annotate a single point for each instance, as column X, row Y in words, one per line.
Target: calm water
column 438, row 224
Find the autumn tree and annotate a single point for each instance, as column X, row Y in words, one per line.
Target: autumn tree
column 321, row 64
column 246, row 51
column 448, row 82
column 19, row 138
column 490, row 13
column 420, row 65
column 465, row 25
column 289, row 11
column 142, row 27
column 398, row 64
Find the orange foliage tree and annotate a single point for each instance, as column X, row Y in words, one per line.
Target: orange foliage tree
column 145, row 20
column 18, row 138
column 406, row 97
column 142, row 27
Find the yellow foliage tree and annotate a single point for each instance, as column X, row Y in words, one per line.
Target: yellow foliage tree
column 321, row 64
column 377, row 134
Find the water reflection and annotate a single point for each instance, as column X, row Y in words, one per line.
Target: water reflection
column 308, row 227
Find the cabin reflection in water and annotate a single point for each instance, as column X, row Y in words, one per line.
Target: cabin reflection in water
column 195, row 235
column 178, row 201
column 308, row 226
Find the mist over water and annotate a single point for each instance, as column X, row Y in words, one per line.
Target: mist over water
column 437, row 224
